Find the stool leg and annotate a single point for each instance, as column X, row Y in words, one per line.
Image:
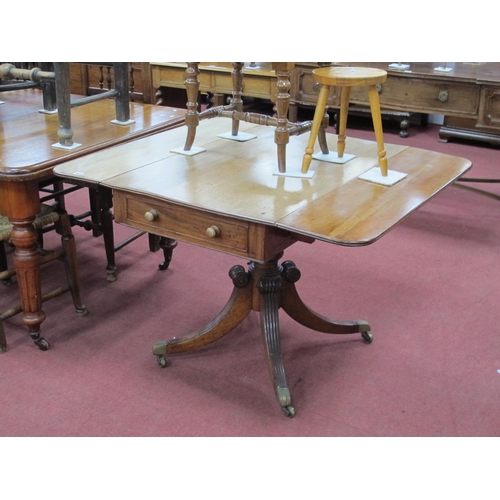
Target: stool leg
column 377, row 125
column 344, row 106
column 318, row 118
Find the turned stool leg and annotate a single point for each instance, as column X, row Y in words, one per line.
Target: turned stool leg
column 318, row 118
column 344, row 106
column 377, row 125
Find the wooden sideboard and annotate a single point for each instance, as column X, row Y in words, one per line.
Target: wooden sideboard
column 215, row 80
column 468, row 95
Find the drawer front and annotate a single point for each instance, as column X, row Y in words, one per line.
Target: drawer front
column 419, row 95
column 175, row 78
column 253, row 86
column 219, row 82
column 182, row 223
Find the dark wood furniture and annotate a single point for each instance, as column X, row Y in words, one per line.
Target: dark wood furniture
column 28, row 159
column 55, row 216
column 229, row 200
column 91, row 78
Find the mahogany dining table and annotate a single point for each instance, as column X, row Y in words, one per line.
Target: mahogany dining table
column 28, row 158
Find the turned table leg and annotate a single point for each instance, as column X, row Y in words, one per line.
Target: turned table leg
column 19, row 201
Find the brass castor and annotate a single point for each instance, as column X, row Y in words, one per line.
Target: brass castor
column 162, row 360
column 367, row 337
column 42, row 344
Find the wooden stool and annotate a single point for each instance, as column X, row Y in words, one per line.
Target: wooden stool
column 345, row 78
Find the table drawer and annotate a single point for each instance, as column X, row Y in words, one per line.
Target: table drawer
column 441, row 97
column 182, row 223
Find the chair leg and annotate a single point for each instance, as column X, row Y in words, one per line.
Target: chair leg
column 63, row 227
column 344, row 106
column 377, row 125
column 3, row 340
column 318, row 118
column 3, row 263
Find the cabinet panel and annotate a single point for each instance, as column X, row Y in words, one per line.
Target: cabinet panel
column 416, row 94
column 489, row 111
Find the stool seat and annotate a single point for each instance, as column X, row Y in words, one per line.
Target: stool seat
column 349, row 76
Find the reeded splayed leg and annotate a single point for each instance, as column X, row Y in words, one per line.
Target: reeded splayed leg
column 235, row 311
column 293, row 305
column 269, row 285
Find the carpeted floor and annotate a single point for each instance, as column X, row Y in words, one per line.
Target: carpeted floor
column 430, row 290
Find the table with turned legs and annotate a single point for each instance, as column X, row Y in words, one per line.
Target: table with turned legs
column 28, row 159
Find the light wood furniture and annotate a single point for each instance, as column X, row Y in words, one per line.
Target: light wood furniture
column 28, row 159
column 283, row 129
column 346, row 79
column 468, row 95
column 228, row 200
column 215, row 80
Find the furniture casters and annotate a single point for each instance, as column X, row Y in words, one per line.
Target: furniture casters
column 160, row 351
column 345, row 78
column 39, row 341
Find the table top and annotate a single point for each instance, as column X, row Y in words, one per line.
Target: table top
column 238, row 179
column 27, row 136
column 473, row 72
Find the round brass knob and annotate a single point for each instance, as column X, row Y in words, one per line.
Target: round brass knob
column 443, row 96
column 213, row 232
column 151, row 215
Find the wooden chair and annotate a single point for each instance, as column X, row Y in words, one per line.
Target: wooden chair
column 49, row 215
column 345, row 78
column 55, row 80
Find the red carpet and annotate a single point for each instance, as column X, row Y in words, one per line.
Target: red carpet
column 430, row 290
